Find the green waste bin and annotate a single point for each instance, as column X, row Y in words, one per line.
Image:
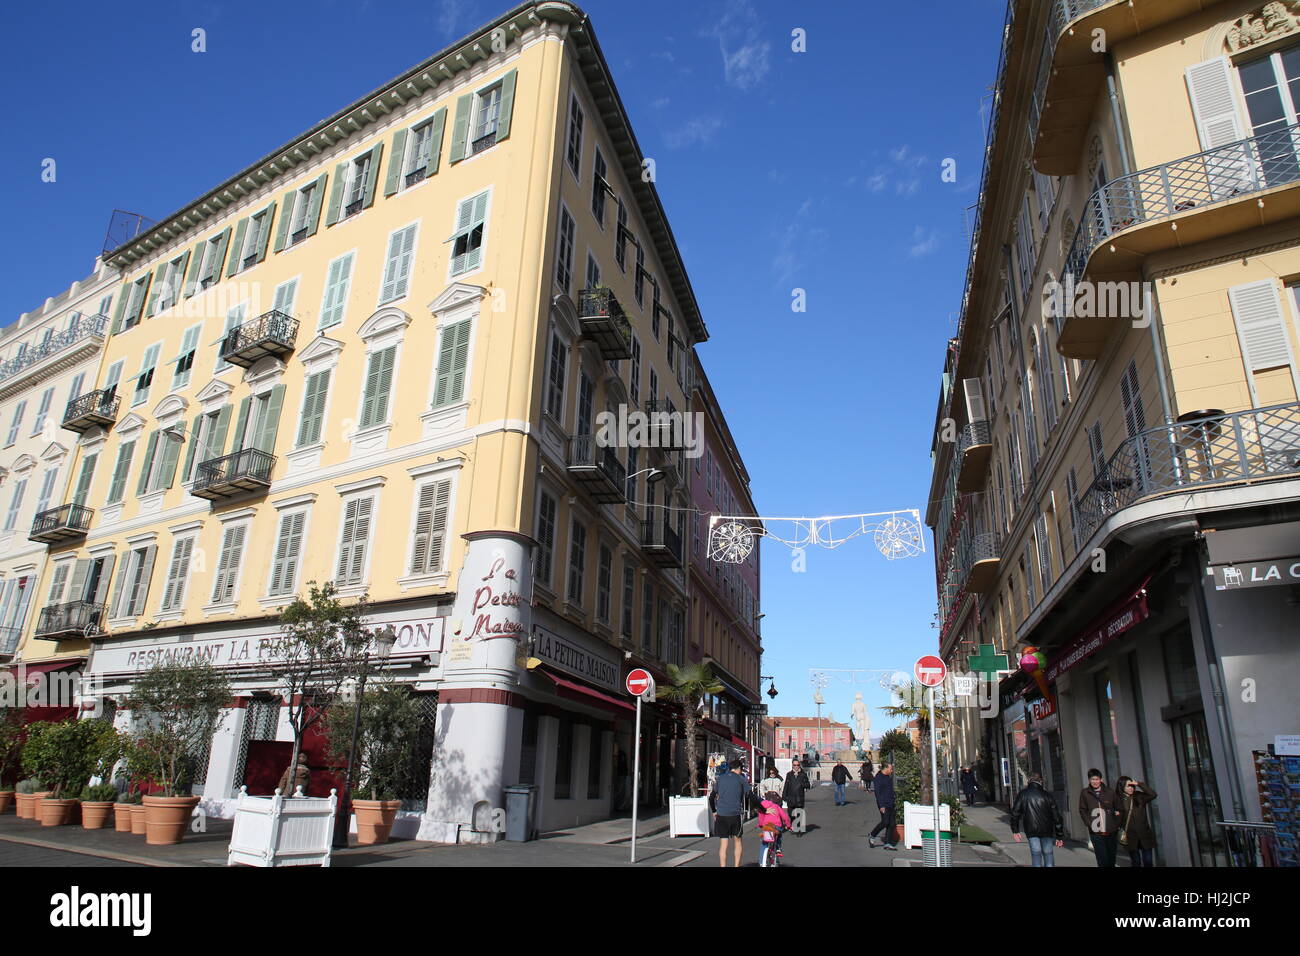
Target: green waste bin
column 945, row 848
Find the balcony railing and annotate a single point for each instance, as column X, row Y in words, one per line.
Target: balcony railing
column 93, row 409
column 84, row 327
column 974, row 448
column 416, row 176
column 61, row 524
column 666, row 429
column 65, row 620
column 661, row 543
column 597, row 469
column 243, row 471
column 1212, row 450
column 272, row 333
column 605, row 323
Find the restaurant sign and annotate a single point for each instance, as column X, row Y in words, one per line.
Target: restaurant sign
column 570, row 657
column 1255, row 574
column 1116, row 622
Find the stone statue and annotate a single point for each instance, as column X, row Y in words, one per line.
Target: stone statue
column 861, row 720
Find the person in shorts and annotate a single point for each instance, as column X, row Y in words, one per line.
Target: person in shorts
column 728, row 802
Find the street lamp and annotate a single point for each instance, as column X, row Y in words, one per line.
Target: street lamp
column 384, row 639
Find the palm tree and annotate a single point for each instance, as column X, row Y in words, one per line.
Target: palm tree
column 688, row 686
column 912, row 705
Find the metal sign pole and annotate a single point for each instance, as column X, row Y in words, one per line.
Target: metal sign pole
column 934, row 779
column 636, row 774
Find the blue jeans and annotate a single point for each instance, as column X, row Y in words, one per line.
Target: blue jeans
column 1142, row 857
column 839, row 795
column 1040, row 851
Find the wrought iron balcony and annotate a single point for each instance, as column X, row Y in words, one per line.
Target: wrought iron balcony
column 662, row 545
column 604, row 322
column 1216, row 449
column 238, row 473
column 416, row 175
column 982, row 560
column 667, row 431
column 974, row 448
column 272, row 333
column 97, row 409
column 597, row 469
column 74, row 619
column 63, row 523
column 85, row 327
column 1206, row 191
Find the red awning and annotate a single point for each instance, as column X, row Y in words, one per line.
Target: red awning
column 1118, row 619
column 740, row 741
column 587, row 695
column 46, row 667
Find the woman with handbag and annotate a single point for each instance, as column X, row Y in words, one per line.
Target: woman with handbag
column 1136, row 834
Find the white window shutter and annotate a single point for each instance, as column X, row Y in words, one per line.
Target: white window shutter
column 1261, row 328
column 1213, row 91
column 974, row 399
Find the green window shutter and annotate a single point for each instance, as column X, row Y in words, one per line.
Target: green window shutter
column 117, row 489
column 270, row 423
column 219, row 257
column 116, row 603
column 57, row 585
column 372, row 176
column 146, row 466
column 265, row 237
column 430, row 527
column 122, row 296
column 171, row 455
column 356, row 534
column 192, row 273
column 507, row 104
column 379, row 380
column 392, row 182
column 397, row 268
column 140, row 591
column 83, row 481
column 182, row 551
column 105, row 575
column 241, row 424
column 460, row 361
column 460, row 129
column 217, row 446
column 80, row 572
column 313, row 409
column 232, row 550
column 237, row 247
column 288, row 550
column 317, row 200
column 433, row 148
column 336, row 194
column 286, row 215
column 155, row 287
column 453, row 353
column 190, row 446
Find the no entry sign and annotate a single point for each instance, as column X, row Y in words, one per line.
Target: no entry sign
column 639, row 681
column 930, row 671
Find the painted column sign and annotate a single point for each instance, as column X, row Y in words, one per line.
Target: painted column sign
column 492, row 604
column 495, row 593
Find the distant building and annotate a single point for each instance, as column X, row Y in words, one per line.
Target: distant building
column 796, row 736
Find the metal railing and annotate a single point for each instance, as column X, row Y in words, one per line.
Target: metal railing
column 1061, row 15
column 585, row 452
column 273, row 326
column 1249, row 844
column 1257, row 443
column 249, row 463
column 103, row 402
column 975, row 433
column 602, row 318
column 416, row 175
column 659, row 534
column 9, row 640
column 71, row 516
column 74, row 616
column 1215, row 175
column 85, row 326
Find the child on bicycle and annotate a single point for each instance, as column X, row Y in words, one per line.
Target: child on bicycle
column 772, row 822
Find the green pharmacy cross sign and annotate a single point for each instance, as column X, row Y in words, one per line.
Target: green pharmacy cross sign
column 988, row 663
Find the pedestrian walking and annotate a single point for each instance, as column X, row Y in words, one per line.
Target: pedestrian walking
column 884, row 788
column 792, row 792
column 1100, row 814
column 771, row 783
column 1036, row 813
column 969, row 785
column 865, row 772
column 840, row 776
column 1136, row 834
column 727, row 800
column 772, row 821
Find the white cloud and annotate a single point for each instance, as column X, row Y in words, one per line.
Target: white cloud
column 800, row 239
column 924, row 242
column 699, row 130
column 746, row 56
column 902, row 172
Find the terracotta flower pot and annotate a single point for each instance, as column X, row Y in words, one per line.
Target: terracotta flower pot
column 137, row 819
column 37, row 799
column 94, row 813
column 56, row 812
column 166, row 818
column 375, row 820
column 898, row 834
column 122, row 817
column 6, row 798
column 23, row 805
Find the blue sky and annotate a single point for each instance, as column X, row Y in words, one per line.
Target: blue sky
column 779, row 170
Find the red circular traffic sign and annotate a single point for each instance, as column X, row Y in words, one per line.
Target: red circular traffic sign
column 930, row 671
column 638, row 681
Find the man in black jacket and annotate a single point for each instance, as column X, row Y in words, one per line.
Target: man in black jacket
column 796, row 783
column 840, row 776
column 1041, row 819
column 884, row 787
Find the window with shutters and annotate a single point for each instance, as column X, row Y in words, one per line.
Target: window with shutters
column 397, row 264
column 586, row 394
column 432, row 519
column 299, row 221
column 419, row 146
column 87, row 475
column 47, row 489
column 467, row 239
column 355, row 191
column 629, row 596
column 185, row 360
column 178, row 574
column 620, row 237
column 378, row 387
column 117, row 487
column 145, row 377
column 1271, row 85
column 604, row 583
column 487, row 118
column 647, row 615
column 1042, row 542
column 312, row 419
column 114, row 376
column 599, row 187
column 546, row 516
column 225, row 588
column 15, row 504
column 74, row 390
column 354, row 541
column 286, row 293
column 556, row 374
column 173, row 278
column 287, row 555
column 338, row 276
column 634, row 373
column 234, row 319
column 132, row 585
column 573, row 152
column 638, row 289
column 577, row 561
column 161, row 458
column 629, row 485
column 1072, row 493
column 15, row 423
column 564, row 251
column 210, row 267
column 134, row 303
column 593, row 272
column 43, row 410
column 58, row 583
column 453, row 363
column 1265, row 342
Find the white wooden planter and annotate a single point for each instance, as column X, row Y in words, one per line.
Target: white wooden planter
column 918, row 817
column 279, row 831
column 688, row 816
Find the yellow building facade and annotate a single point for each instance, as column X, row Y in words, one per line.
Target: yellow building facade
column 375, row 357
column 1117, row 454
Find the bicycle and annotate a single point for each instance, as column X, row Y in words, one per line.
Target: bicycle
column 771, row 837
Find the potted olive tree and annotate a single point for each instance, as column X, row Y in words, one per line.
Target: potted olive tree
column 386, row 738
column 97, row 800
column 11, row 748
column 64, row 755
column 178, row 707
